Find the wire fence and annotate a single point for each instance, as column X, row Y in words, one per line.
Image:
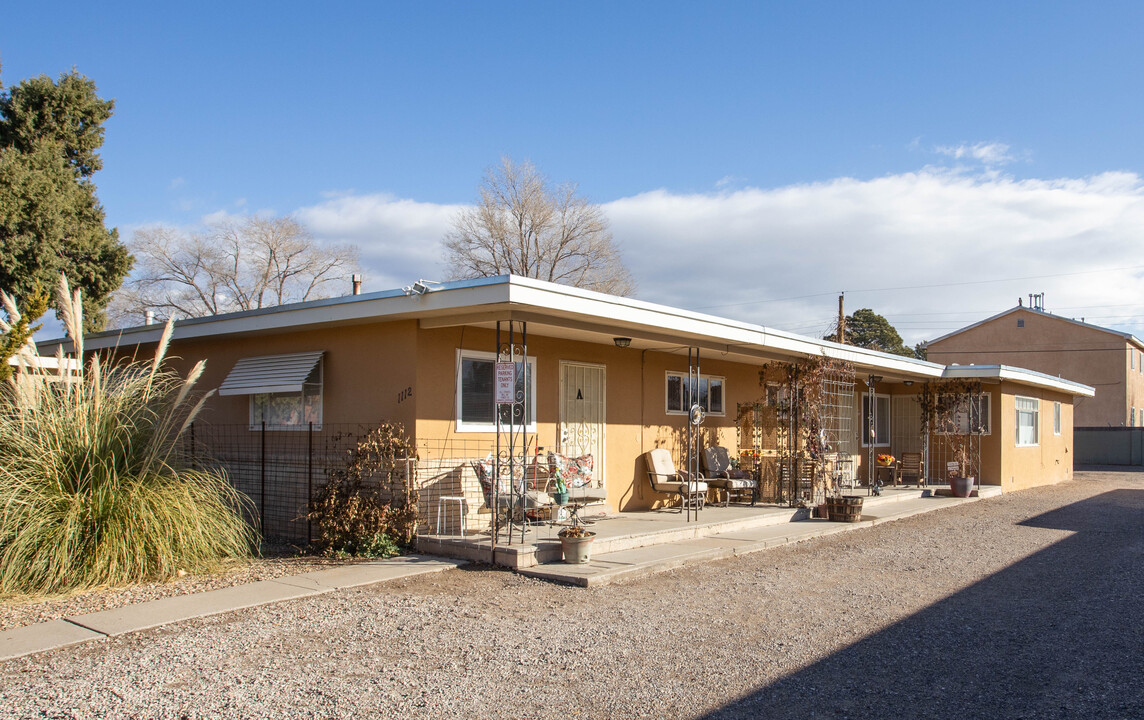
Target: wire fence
column 282, row 471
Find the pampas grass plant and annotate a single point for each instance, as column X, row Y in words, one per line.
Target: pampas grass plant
column 90, row 492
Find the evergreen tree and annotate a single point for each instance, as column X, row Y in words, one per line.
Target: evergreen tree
column 866, row 328
column 50, row 218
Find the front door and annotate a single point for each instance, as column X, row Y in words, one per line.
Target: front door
column 582, row 413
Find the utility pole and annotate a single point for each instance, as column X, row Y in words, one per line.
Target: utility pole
column 841, row 320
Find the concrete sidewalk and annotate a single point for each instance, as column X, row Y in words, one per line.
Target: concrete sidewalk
column 131, row 618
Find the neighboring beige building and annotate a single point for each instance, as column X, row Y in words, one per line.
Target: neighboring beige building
column 1110, row 361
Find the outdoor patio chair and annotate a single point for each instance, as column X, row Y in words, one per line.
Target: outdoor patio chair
column 578, row 474
column 513, row 500
column 732, row 481
column 911, row 470
column 665, row 478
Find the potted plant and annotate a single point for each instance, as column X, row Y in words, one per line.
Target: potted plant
column 559, row 493
column 960, row 484
column 576, row 543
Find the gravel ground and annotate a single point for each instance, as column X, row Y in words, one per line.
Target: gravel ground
column 275, row 562
column 1023, row 606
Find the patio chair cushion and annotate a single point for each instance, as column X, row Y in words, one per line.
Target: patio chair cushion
column 717, row 464
column 576, row 472
column 530, row 498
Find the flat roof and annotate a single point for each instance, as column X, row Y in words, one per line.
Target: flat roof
column 561, row 311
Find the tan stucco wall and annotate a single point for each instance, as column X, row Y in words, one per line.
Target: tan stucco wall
column 1048, row 462
column 367, row 368
column 364, row 367
column 1057, row 347
column 637, row 420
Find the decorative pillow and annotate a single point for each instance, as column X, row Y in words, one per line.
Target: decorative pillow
column 575, row 472
column 484, row 470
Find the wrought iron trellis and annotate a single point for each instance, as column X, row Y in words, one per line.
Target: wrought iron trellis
column 695, row 416
column 800, row 434
column 512, row 407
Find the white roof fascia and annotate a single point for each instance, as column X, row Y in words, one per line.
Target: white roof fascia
column 722, row 330
column 506, row 289
column 352, row 308
column 1018, row 375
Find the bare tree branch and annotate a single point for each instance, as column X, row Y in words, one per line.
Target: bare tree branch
column 522, row 226
column 254, row 263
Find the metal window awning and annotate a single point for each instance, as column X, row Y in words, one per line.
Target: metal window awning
column 270, row 374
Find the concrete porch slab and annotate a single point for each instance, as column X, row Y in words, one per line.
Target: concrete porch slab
column 620, row 565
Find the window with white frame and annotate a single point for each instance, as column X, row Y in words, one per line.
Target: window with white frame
column 476, row 388
column 1028, row 420
column 290, row 410
column 1132, row 416
column 881, row 419
column 681, row 395
column 973, row 417
column 1056, row 418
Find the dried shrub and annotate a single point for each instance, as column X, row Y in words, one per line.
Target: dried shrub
column 369, row 508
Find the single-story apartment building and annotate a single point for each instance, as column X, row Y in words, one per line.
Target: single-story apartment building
column 606, row 375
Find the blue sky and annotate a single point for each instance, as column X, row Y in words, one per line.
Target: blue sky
column 817, row 147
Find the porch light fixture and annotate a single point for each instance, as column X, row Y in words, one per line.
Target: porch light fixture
column 907, row 383
column 622, row 342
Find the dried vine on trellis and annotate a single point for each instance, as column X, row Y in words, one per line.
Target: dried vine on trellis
column 807, row 380
column 942, row 402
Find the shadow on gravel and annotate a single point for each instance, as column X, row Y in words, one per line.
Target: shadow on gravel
column 1058, row 634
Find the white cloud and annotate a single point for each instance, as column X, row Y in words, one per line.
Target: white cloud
column 399, row 239
column 988, row 154
column 755, row 254
column 932, row 250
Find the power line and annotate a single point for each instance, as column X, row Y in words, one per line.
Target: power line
column 928, row 287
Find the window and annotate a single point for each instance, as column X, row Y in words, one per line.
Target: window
column 1020, row 322
column 1028, row 411
column 680, row 395
column 881, row 419
column 1132, row 417
column 476, row 388
column 1056, row 418
column 290, row 410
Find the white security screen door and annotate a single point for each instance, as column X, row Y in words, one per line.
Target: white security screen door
column 582, row 413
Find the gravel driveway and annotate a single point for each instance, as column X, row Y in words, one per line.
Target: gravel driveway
column 1030, row 605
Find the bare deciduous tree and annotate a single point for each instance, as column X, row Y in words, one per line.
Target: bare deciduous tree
column 523, row 227
column 257, row 262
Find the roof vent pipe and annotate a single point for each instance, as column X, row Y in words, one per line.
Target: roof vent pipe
column 357, row 284
column 148, row 317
